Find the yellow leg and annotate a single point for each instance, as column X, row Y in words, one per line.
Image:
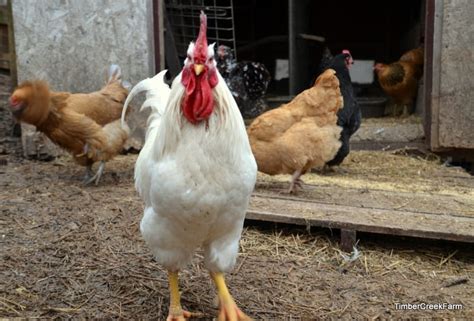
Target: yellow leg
column 176, row 312
column 228, row 310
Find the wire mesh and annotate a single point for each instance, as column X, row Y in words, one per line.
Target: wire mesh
column 183, row 16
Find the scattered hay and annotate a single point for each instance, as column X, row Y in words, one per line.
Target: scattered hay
column 391, row 171
column 69, row 251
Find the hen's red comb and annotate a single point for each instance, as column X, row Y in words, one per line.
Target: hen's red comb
column 345, row 51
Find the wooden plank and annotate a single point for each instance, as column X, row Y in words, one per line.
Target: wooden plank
column 387, row 145
column 370, row 197
column 373, row 220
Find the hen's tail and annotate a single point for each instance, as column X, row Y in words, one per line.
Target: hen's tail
column 114, row 73
column 116, row 135
column 157, row 93
column 115, row 90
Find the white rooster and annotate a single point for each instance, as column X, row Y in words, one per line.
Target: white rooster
column 195, row 173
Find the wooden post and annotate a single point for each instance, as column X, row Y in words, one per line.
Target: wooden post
column 158, row 30
column 11, row 46
column 348, row 240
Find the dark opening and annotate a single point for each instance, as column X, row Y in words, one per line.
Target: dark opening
column 371, row 30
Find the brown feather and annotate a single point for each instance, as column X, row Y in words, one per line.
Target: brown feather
column 301, row 134
column 416, row 57
column 398, row 80
column 74, row 120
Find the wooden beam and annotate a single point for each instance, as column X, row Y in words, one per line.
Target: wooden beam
column 372, row 220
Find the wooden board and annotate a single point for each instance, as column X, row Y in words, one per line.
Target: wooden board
column 433, row 224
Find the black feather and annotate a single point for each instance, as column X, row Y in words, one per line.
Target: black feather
column 248, row 81
column 349, row 117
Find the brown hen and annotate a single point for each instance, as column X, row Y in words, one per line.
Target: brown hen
column 399, row 80
column 301, row 134
column 86, row 125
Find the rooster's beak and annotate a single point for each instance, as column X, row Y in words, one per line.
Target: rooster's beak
column 198, row 68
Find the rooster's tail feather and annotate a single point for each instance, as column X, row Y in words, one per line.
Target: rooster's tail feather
column 157, row 93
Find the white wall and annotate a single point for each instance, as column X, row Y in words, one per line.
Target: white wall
column 70, row 43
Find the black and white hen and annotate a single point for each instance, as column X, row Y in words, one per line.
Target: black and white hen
column 248, row 82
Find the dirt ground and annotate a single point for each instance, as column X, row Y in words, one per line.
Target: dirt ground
column 69, row 251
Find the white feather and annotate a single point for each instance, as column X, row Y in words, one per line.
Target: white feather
column 196, row 182
column 157, row 92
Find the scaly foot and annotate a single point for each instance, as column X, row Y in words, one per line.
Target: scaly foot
column 295, row 182
column 295, row 186
column 97, row 176
column 176, row 312
column 88, row 175
column 228, row 310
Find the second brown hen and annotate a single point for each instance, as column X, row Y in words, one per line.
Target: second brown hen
column 86, row 125
column 399, row 80
column 301, row 134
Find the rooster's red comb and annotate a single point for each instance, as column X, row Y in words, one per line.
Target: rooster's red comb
column 200, row 48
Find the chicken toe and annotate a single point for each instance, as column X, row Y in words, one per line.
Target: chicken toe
column 180, row 316
column 87, row 176
column 97, row 175
column 296, row 182
column 228, row 310
column 405, row 112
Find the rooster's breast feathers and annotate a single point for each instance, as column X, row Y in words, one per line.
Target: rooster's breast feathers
column 195, row 179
